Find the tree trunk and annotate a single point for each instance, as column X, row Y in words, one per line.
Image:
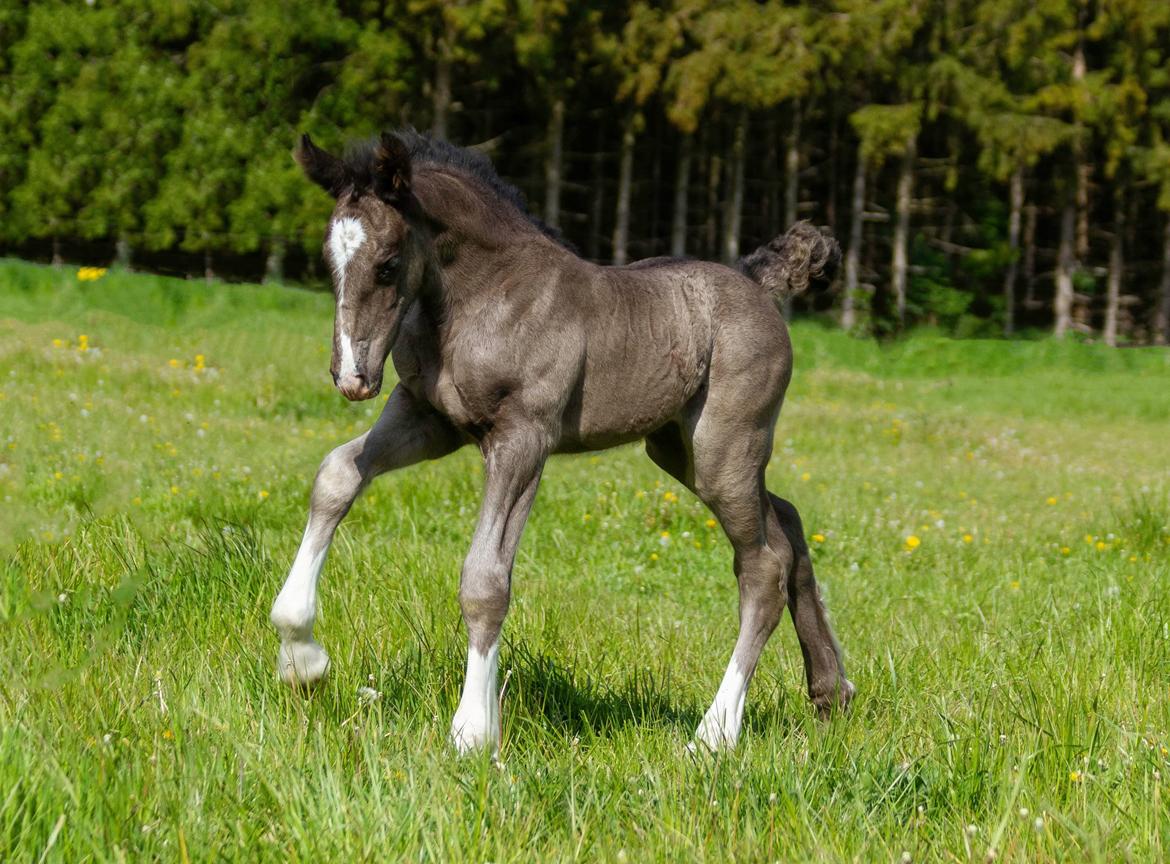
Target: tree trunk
column 553, row 162
column 655, row 223
column 58, row 258
column 902, row 230
column 733, row 205
column 1116, row 269
column 1082, row 167
column 1009, row 279
column 834, row 157
column 770, row 201
column 792, row 169
column 1030, row 256
column 621, row 228
column 274, row 263
column 682, row 181
column 441, row 91
column 208, row 272
column 123, row 253
column 714, row 172
column 1162, row 316
column 1062, row 306
column 597, row 195
column 853, row 253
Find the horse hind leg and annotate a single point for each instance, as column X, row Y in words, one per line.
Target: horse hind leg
column 828, row 687
column 727, row 476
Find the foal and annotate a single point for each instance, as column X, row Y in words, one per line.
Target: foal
column 503, row 337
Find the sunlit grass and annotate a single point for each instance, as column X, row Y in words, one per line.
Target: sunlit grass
column 990, row 523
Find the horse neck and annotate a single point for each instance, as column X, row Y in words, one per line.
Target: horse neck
column 478, row 236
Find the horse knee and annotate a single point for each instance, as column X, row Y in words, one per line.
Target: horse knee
column 337, row 483
column 484, row 594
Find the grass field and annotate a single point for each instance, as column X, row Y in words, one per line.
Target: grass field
column 990, row 523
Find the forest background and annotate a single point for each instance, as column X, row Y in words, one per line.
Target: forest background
column 989, row 166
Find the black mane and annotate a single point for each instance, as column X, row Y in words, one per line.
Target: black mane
column 359, row 158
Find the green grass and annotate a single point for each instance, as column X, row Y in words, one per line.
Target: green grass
column 1015, row 661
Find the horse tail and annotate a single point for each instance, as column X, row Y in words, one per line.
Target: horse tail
column 786, row 265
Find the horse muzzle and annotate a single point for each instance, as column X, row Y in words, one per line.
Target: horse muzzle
column 355, row 387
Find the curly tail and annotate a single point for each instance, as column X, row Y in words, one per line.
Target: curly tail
column 786, row 265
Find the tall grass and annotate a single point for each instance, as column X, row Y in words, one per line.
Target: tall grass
column 1013, row 696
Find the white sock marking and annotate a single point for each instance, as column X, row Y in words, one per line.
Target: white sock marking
column 720, row 725
column 301, row 659
column 477, row 721
column 346, row 236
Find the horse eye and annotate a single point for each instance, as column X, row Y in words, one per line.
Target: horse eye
column 387, row 269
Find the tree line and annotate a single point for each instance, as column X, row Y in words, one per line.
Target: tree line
column 988, row 165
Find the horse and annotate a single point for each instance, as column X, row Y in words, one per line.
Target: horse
column 502, row 336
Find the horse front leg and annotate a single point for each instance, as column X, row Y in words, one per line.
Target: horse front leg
column 513, row 460
column 406, row 432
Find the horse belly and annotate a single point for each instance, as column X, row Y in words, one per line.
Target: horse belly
column 633, row 388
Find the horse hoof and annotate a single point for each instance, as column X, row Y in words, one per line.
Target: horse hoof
column 713, row 735
column 472, row 734
column 302, row 665
column 835, row 702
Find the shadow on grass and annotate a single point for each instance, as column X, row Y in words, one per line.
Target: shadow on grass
column 542, row 689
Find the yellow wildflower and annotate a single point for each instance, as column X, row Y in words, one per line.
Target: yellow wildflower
column 913, row 542
column 1015, row 584
column 1064, row 550
column 1051, row 499
column 653, row 556
column 1102, row 545
column 818, row 538
column 263, row 493
column 710, row 523
column 805, row 476
column 1074, row 776
column 58, row 343
column 967, row 538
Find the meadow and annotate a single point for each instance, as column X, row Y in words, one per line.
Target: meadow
column 990, row 523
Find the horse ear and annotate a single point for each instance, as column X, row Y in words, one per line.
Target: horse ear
column 324, row 169
column 392, row 169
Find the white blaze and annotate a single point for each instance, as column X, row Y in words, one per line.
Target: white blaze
column 346, row 236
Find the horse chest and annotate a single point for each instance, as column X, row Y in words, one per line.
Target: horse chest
column 470, row 397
